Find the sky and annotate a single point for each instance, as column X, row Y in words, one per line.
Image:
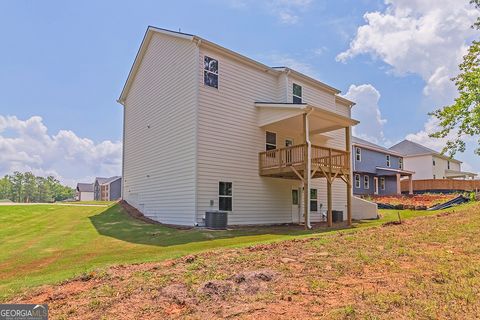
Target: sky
column 64, row 64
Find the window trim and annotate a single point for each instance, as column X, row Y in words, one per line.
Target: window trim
column 389, row 161
column 208, row 71
column 382, row 183
column 225, row 196
column 358, row 154
column 297, row 96
column 268, row 143
column 357, row 185
column 366, row 182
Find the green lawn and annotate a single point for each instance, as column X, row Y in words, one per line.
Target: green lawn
column 42, row 244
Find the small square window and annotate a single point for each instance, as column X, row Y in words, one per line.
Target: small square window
column 358, row 154
column 357, row 181
column 366, row 182
column 210, row 73
column 388, row 160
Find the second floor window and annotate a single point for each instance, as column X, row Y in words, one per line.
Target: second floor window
column 388, row 160
column 210, row 72
column 297, row 93
column 270, row 141
column 358, row 154
column 400, row 163
column 433, row 161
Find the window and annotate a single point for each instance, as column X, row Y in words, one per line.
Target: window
column 388, row 160
column 297, row 93
column 357, row 181
column 366, row 182
column 210, row 72
column 433, row 161
column 270, row 141
column 434, row 177
column 358, row 154
column 313, row 200
column 225, row 196
column 448, row 165
column 400, row 163
column 295, row 201
column 382, row 183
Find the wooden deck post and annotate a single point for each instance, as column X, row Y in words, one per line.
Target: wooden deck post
column 329, row 190
column 348, row 178
column 305, row 174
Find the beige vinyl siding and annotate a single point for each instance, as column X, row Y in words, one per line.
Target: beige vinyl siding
column 229, row 140
column 160, row 122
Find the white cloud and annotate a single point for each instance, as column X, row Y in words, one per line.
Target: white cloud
column 287, row 11
column 29, row 147
column 424, row 37
column 367, row 111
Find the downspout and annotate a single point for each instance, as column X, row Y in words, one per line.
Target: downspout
column 309, row 166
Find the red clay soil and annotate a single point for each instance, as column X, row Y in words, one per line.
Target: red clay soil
column 426, row 268
column 413, row 201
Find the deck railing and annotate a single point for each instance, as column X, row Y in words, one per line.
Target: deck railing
column 295, row 156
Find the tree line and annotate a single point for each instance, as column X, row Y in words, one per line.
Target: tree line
column 26, row 187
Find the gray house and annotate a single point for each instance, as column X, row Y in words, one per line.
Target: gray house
column 377, row 170
column 108, row 189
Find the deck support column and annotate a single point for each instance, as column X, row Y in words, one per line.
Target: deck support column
column 306, row 174
column 410, row 184
column 348, row 178
column 329, row 190
column 399, row 187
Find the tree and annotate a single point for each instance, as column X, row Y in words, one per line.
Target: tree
column 5, row 188
column 464, row 114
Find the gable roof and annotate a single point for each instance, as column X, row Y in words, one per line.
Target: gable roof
column 85, row 187
column 102, row 181
column 411, row 149
column 203, row 42
column 372, row 146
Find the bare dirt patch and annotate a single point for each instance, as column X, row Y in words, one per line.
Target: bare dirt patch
column 425, row 268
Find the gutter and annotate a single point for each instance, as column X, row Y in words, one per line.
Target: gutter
column 309, row 166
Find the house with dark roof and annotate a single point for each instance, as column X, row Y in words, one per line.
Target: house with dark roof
column 376, row 169
column 84, row 192
column 428, row 163
column 108, row 189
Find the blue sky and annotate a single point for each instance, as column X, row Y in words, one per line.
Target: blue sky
column 64, row 64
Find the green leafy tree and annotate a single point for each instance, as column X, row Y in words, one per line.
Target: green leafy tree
column 463, row 116
column 5, row 188
column 30, row 188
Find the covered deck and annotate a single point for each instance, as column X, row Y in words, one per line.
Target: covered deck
column 306, row 161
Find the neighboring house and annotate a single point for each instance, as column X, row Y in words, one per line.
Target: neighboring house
column 206, row 128
column 84, row 192
column 377, row 170
column 108, row 189
column 428, row 163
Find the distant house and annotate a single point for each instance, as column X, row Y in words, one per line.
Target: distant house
column 428, row 163
column 377, row 170
column 84, row 192
column 108, row 189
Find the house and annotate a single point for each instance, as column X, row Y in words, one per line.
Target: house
column 206, row 128
column 84, row 192
column 428, row 163
column 108, row 189
column 377, row 170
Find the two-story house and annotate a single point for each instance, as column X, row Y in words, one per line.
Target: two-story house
column 107, row 189
column 428, row 163
column 206, row 128
column 377, row 170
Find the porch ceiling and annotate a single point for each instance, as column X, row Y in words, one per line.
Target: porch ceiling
column 289, row 115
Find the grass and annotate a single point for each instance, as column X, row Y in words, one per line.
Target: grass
column 45, row 244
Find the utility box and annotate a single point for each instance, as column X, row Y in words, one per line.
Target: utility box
column 337, row 216
column 216, row 220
